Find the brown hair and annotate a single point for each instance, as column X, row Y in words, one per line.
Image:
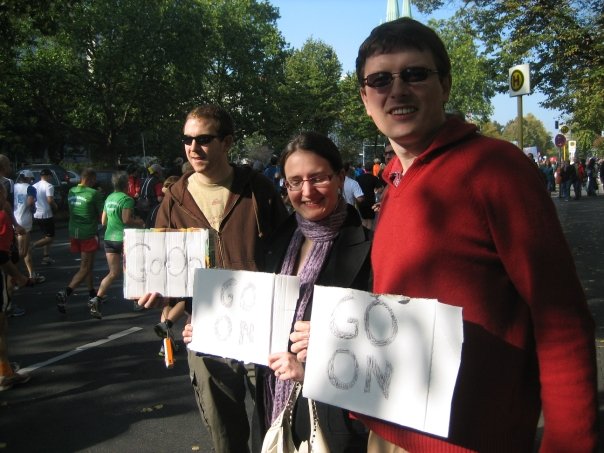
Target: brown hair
column 222, row 118
column 403, row 34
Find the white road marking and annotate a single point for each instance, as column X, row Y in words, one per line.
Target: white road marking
column 82, row 348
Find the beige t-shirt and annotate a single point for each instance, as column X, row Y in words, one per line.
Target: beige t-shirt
column 211, row 198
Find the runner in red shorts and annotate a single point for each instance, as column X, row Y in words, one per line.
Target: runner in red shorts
column 85, row 207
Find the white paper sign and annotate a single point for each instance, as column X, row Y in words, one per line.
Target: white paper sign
column 162, row 261
column 386, row 356
column 242, row 315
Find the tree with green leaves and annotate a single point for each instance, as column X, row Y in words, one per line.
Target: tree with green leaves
column 473, row 87
column 354, row 127
column 533, row 133
column 563, row 41
column 310, row 95
column 111, row 74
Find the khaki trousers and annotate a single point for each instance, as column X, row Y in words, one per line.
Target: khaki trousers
column 376, row 444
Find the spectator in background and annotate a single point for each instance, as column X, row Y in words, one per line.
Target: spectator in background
column 358, row 170
column 592, row 177
column 150, row 221
column 568, row 176
column 352, row 192
column 85, row 208
column 579, row 177
column 273, row 173
column 151, row 192
column 369, row 185
column 377, row 167
column 176, row 168
column 134, row 182
column 44, row 214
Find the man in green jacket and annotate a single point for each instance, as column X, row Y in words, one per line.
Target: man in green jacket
column 85, row 208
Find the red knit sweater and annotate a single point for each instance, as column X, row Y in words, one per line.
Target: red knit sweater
column 472, row 225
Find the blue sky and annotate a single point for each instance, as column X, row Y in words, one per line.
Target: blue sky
column 344, row 24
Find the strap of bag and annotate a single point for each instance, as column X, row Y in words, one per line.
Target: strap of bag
column 278, row 438
column 317, row 442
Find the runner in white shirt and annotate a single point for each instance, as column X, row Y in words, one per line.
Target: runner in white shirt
column 25, row 201
column 44, row 215
column 352, row 192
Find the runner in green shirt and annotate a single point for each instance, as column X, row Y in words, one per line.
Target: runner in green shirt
column 115, row 204
column 118, row 213
column 85, row 206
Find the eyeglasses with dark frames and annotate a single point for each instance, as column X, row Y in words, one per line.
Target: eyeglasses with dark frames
column 407, row 75
column 202, row 140
column 295, row 184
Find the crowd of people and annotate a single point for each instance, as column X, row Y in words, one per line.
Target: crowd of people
column 529, row 339
column 581, row 176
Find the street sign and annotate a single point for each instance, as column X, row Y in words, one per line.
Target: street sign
column 520, row 80
column 560, row 140
column 564, row 129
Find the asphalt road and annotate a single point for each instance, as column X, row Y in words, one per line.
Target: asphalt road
column 99, row 386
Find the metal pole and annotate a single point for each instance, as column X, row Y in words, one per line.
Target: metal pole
column 520, row 128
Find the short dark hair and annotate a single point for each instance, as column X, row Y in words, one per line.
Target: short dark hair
column 222, row 118
column 119, row 179
column 316, row 143
column 403, row 34
column 88, row 173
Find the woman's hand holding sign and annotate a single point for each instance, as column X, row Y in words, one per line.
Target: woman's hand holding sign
column 286, row 366
column 299, row 338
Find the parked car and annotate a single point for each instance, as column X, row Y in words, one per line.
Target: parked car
column 74, row 177
column 60, row 180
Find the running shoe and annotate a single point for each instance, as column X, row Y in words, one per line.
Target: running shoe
column 99, row 300
column 47, row 260
column 37, row 278
column 7, row 382
column 95, row 309
column 61, row 297
column 15, row 311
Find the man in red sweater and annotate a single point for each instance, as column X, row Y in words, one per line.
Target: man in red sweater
column 469, row 223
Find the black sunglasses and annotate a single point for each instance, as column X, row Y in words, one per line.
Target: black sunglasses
column 202, row 139
column 407, row 75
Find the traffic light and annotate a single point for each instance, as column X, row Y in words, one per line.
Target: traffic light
column 556, row 123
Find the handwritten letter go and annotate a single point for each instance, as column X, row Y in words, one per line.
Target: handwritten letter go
column 390, row 357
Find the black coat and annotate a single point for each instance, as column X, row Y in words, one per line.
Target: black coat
column 348, row 266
